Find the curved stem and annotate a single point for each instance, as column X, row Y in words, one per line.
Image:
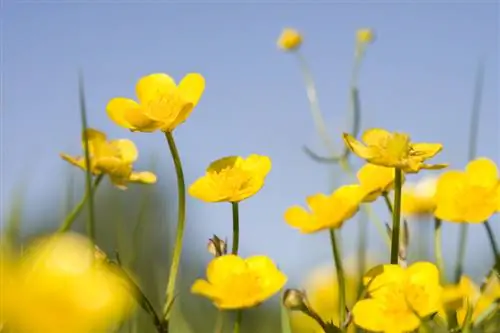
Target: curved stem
column 438, row 248
column 462, row 244
column 236, row 227
column 396, row 216
column 181, row 221
column 340, row 277
column 494, row 245
column 71, row 217
column 388, row 202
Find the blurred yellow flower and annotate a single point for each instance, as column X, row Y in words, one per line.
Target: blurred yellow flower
column 162, row 104
column 60, row 287
column 322, row 291
column 418, row 199
column 289, row 40
column 469, row 196
column 232, row 179
column 326, row 211
column 114, row 158
column 394, row 150
column 365, row 36
column 464, row 294
column 236, row 283
column 375, row 180
column 397, row 295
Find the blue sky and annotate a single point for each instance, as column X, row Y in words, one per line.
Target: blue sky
column 417, row 77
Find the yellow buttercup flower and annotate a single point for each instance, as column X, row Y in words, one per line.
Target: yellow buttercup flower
column 162, row 104
column 418, row 199
column 375, row 180
column 469, row 196
column 237, row 283
column 322, row 292
column 467, row 294
column 114, row 158
column 326, row 211
column 394, row 150
column 63, row 288
column 365, row 36
column 232, row 179
column 289, row 40
column 398, row 296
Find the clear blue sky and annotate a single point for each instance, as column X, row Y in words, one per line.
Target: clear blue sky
column 418, row 78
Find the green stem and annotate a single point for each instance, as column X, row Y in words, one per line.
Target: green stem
column 362, row 246
column 181, row 221
column 494, row 245
column 219, row 322
column 438, row 248
column 340, row 277
column 396, row 216
column 237, row 322
column 71, row 217
column 462, row 244
column 236, row 227
column 88, row 179
column 388, row 202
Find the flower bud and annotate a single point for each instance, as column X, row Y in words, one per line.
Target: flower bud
column 295, row 300
column 216, row 246
column 365, row 36
column 289, row 40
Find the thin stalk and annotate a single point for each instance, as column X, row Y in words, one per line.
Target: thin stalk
column 237, row 323
column 181, row 221
column 438, row 248
column 388, row 202
column 219, row 322
column 71, row 217
column 340, row 277
column 362, row 246
column 396, row 216
column 494, row 245
column 236, row 227
column 88, row 179
column 473, row 135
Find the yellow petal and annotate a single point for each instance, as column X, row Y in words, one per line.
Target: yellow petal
column 358, row 148
column 192, row 87
column 220, row 268
column 381, row 278
column 127, row 150
column 438, row 166
column 224, row 163
column 204, row 189
column 375, row 136
column 350, row 194
column 426, row 150
column 184, row 113
column 153, row 87
column 482, row 172
column 202, row 287
column 423, row 273
column 317, row 202
column 297, row 217
column 144, row 177
column 373, row 177
column 289, row 40
column 257, row 164
column 369, row 314
column 139, row 121
column 117, row 108
column 76, row 161
column 448, row 188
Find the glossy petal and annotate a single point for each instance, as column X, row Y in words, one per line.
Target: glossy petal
column 153, row 87
column 127, row 150
column 448, row 187
column 257, row 164
column 482, row 172
column 221, row 268
column 203, row 288
column 192, row 87
column 369, row 314
column 144, row 177
column 426, row 150
column 297, row 217
column 382, row 278
column 376, row 179
column 358, row 148
column 375, row 136
column 118, row 107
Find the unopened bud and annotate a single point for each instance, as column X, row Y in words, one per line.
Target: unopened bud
column 216, row 246
column 99, row 255
column 295, row 300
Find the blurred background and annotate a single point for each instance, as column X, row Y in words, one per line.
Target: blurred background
column 418, row 77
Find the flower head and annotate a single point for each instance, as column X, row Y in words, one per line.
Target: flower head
column 232, row 179
column 469, row 196
column 60, row 275
column 375, row 180
column 162, row 104
column 365, row 36
column 394, row 150
column 326, row 211
column 289, row 40
column 466, row 294
column 398, row 297
column 236, row 283
column 418, row 199
column 114, row 158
